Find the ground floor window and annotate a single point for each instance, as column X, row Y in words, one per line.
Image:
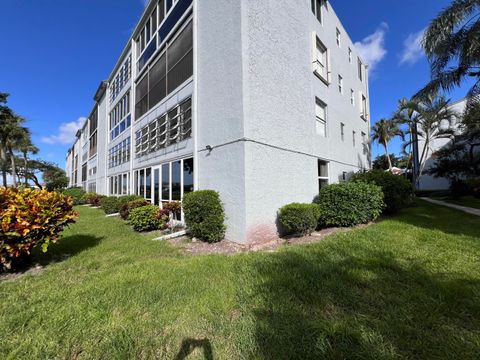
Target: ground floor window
column 118, row 184
column 92, row 187
column 322, row 174
column 166, row 182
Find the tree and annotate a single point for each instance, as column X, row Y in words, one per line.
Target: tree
column 381, row 162
column 429, row 117
column 25, row 147
column 453, row 50
column 12, row 140
column 55, row 178
column 383, row 132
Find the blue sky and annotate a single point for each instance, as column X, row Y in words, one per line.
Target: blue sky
column 55, row 53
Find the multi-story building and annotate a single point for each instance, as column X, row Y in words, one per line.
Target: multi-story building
column 263, row 102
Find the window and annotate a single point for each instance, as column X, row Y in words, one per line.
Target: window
column 321, row 61
column 344, row 176
column 119, row 184
column 93, row 132
column 121, row 79
column 363, row 109
column 321, row 117
column 322, row 174
column 119, row 154
column 340, row 84
column 120, row 118
column 317, row 9
column 173, row 67
column 84, row 172
column 354, row 140
column 352, row 97
column 338, row 37
column 170, row 128
column 360, row 69
column 350, row 55
column 342, row 131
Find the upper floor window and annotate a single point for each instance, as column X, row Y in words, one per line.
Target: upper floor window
column 120, row 118
column 342, row 131
column 171, row 69
column 317, row 9
column 120, row 80
column 354, row 140
column 321, row 117
column 350, row 55
column 321, row 65
column 363, row 107
column 360, row 69
column 339, row 38
column 340, row 84
column 352, row 97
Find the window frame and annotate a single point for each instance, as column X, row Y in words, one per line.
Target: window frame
column 323, row 123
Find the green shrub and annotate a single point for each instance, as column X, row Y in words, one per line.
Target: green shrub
column 110, row 204
column 122, row 200
column 93, row 199
column 299, row 218
column 146, row 218
column 204, row 215
column 350, row 203
column 30, row 218
column 129, row 206
column 398, row 192
column 77, row 194
column 474, row 187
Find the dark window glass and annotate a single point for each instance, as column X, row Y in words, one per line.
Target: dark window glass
column 161, row 11
column 156, row 186
column 158, row 81
column 141, row 107
column 166, row 182
column 176, row 181
column 322, row 183
column 187, row 176
column 154, row 20
column 142, row 182
column 322, row 168
column 180, row 59
column 148, row 183
column 135, row 178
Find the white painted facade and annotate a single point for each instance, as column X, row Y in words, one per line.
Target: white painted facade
column 428, row 182
column 257, row 135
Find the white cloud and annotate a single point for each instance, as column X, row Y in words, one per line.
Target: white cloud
column 412, row 48
column 66, row 133
column 372, row 48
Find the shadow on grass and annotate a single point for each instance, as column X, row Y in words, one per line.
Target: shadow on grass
column 189, row 345
column 436, row 217
column 323, row 305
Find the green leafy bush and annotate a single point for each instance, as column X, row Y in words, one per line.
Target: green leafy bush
column 77, row 194
column 129, row 206
column 93, row 199
column 110, row 204
column 122, row 200
column 398, row 192
column 350, row 203
column 30, row 218
column 299, row 218
column 204, row 215
column 474, row 187
column 146, row 218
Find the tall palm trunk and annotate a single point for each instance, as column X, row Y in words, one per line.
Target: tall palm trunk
column 25, row 160
column 385, row 145
column 14, row 168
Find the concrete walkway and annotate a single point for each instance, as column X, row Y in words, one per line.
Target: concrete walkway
column 466, row 209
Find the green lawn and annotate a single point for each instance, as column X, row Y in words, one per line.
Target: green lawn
column 468, row 201
column 407, row 287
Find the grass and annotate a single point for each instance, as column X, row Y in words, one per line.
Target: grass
column 407, row 287
column 468, row 201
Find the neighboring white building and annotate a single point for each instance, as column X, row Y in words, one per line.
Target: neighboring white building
column 263, row 102
column 428, row 182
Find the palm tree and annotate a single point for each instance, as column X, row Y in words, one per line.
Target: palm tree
column 383, row 132
column 13, row 142
column 453, row 49
column 427, row 118
column 25, row 147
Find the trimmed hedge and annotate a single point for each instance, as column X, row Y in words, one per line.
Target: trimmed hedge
column 147, row 218
column 398, row 192
column 122, row 200
column 77, row 194
column 299, row 218
column 204, row 215
column 30, row 218
column 129, row 206
column 350, row 203
column 93, row 198
column 110, row 204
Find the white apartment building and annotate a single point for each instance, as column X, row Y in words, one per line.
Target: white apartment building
column 264, row 102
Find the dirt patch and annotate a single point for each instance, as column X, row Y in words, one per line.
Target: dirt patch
column 225, row 247
column 12, row 276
